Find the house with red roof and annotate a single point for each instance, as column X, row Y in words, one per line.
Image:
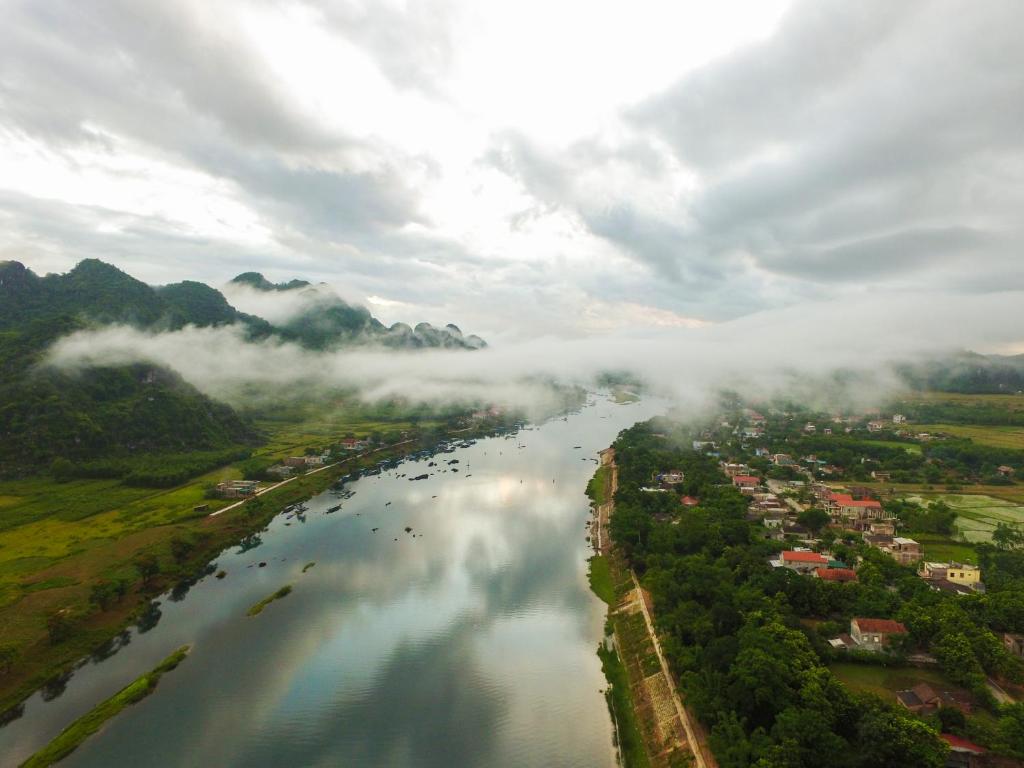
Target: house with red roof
column 857, row 514
column 962, row 753
column 802, row 561
column 875, row 634
column 689, row 501
column 746, row 483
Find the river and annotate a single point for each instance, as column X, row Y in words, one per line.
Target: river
column 468, row 641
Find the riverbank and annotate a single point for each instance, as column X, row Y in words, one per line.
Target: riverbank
column 652, row 726
column 182, row 553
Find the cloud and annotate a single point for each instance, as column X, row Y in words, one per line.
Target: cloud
column 793, row 351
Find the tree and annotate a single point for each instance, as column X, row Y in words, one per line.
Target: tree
column 1006, row 536
column 105, row 593
column 181, row 549
column 8, row 657
column 814, row 518
column 59, row 625
column 886, row 737
column 148, row 567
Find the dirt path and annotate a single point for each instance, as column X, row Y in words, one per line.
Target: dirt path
column 275, row 486
column 661, row 686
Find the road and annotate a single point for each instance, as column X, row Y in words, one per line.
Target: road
column 275, row 486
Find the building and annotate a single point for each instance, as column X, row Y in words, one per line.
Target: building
column 882, row 477
column 876, row 426
column 903, row 551
column 899, row 418
column 802, row 561
column 746, row 483
column 236, row 489
column 352, row 444
column 672, row 477
column 783, row 460
column 810, row 429
column 295, row 461
column 963, row 574
column 857, row 514
column 689, row 501
column 315, row 461
column 1014, row 643
column 963, row 753
column 875, row 635
column 842, row 575
column 923, row 699
column 1004, row 471
column 280, row 471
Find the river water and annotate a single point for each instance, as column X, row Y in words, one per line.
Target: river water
column 469, row 641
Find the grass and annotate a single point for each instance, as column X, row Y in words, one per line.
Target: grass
column 597, row 488
column 996, row 436
column 885, row 681
column 600, row 577
column 622, row 396
column 977, row 514
column 943, row 549
column 74, row 535
column 71, row 737
column 307, row 566
column 257, row 608
column 620, row 703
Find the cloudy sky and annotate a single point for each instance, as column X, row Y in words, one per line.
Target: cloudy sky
column 538, row 165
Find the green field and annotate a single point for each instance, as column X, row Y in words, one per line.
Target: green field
column 977, row 514
column 601, row 579
column 885, row 681
column 943, row 549
column 998, row 437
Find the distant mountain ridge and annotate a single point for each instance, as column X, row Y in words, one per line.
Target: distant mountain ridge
column 114, row 412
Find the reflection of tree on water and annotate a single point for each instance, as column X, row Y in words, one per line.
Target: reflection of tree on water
column 180, row 590
column 149, row 618
column 249, row 542
column 55, row 686
column 12, row 714
column 111, row 646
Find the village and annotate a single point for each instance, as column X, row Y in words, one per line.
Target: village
column 824, row 527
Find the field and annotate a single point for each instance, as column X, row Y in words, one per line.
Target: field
column 996, row 436
column 978, row 514
column 943, row 549
column 885, row 681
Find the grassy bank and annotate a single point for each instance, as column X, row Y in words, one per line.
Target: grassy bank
column 180, row 541
column 600, row 577
column 620, row 704
column 257, row 608
column 597, row 488
column 71, row 737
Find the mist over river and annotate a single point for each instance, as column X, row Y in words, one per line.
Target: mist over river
column 469, row 641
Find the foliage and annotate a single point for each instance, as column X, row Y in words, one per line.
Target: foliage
column 257, row 608
column 71, row 737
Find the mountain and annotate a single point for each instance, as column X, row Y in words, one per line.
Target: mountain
column 326, row 321
column 967, row 372
column 112, row 416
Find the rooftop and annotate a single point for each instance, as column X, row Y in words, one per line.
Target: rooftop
column 885, row 626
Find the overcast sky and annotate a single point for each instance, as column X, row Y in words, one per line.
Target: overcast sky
column 536, row 165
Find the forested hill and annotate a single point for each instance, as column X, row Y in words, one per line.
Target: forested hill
column 967, row 372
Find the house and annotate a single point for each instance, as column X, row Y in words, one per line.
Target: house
column 886, row 527
column 1004, row 471
column 963, row 574
column 923, row 699
column 782, row 460
column 672, row 477
column 746, row 483
column 235, row 489
column 828, row 431
column 755, row 418
column 882, row 477
column 876, row 426
column 903, row 551
column 899, row 418
column 704, row 446
column 315, row 461
column 875, row 635
column 855, row 513
column 842, row 575
column 352, row 444
column 731, row 469
column 689, row 501
column 810, row 429
column 295, row 461
column 962, row 753
column 1014, row 643
column 802, row 561
column 280, row 470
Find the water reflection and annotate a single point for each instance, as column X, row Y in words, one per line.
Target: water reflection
column 465, row 641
